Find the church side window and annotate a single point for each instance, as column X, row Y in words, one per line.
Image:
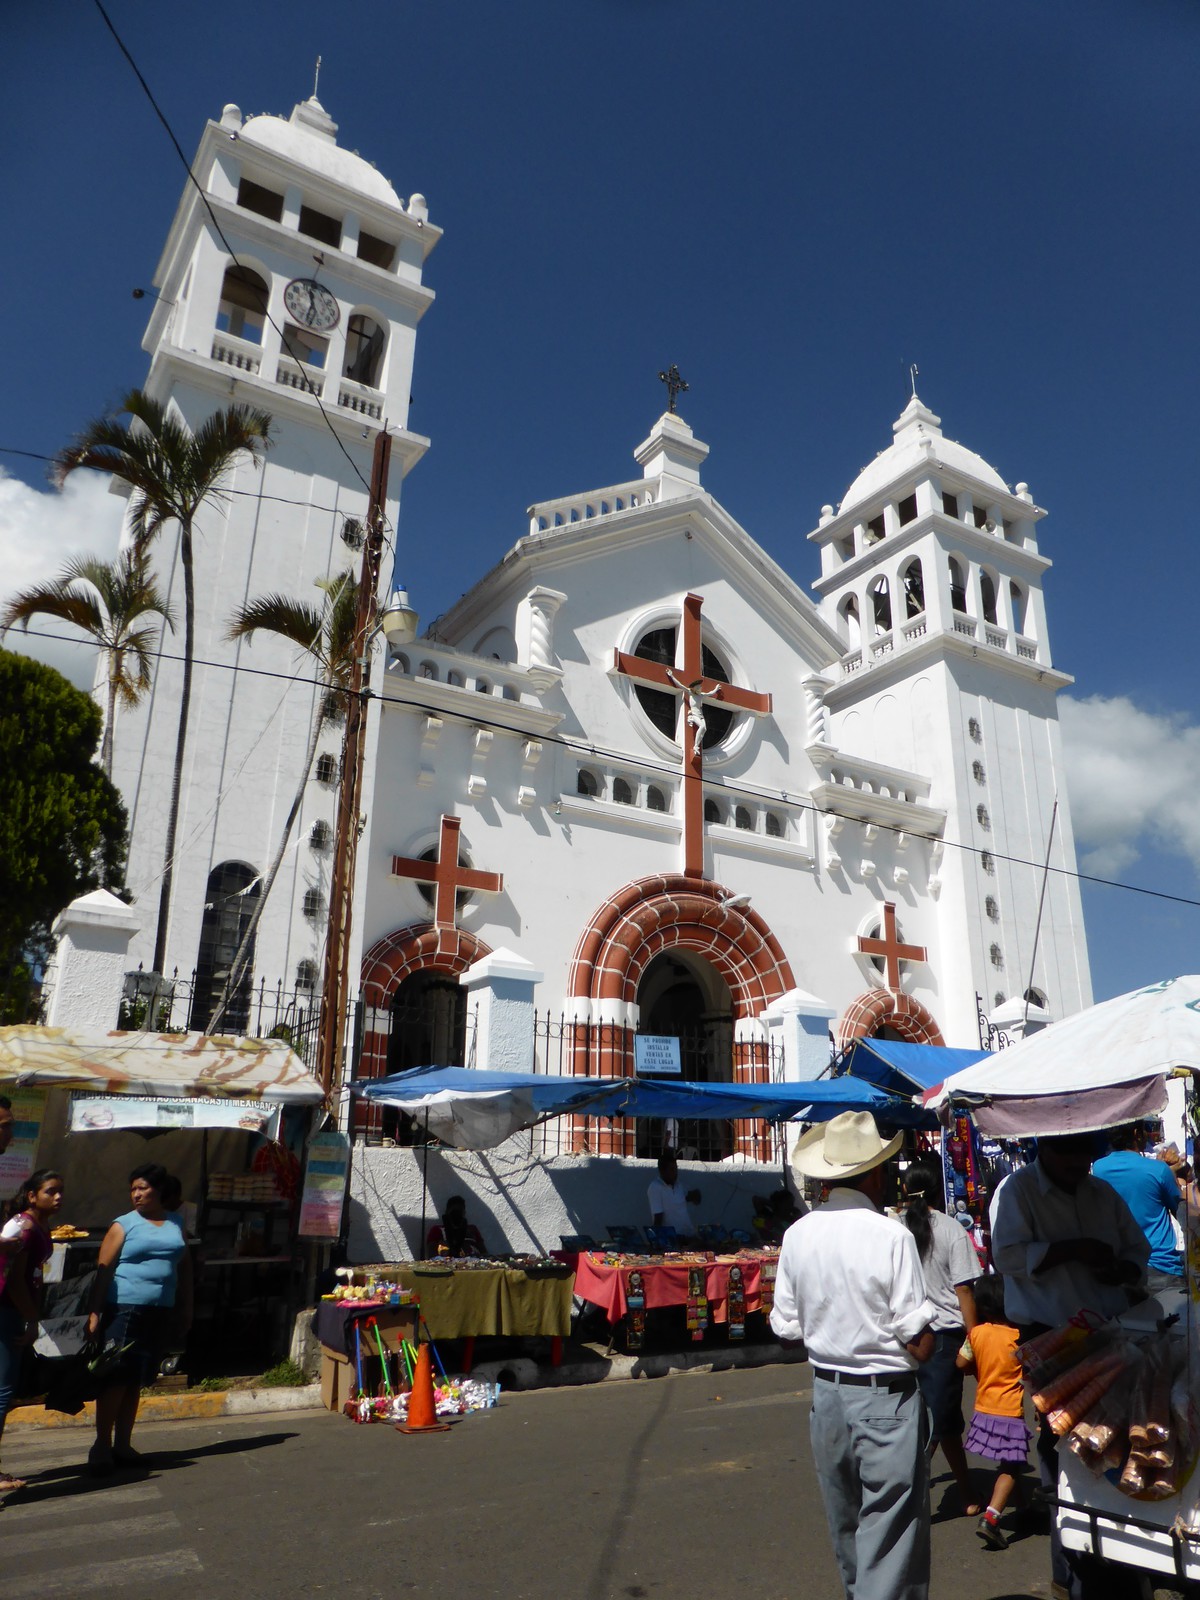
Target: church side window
column 313, row 904
column 977, row 772
column 774, row 828
column 365, row 342
column 982, row 817
column 992, row 906
column 321, row 836
column 914, row 589
column 986, row 862
column 306, row 974
column 743, row 819
column 974, row 730
column 997, row 956
column 242, row 308
column 230, row 894
column 587, row 783
column 622, row 792
column 317, row 225
column 326, row 770
column 258, row 198
column 655, row 799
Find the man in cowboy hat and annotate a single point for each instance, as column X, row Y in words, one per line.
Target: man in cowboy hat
column 850, row 1287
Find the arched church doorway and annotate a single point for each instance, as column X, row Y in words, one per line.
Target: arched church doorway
column 428, row 1029
column 681, row 996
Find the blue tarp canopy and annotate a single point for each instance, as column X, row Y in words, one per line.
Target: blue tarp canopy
column 903, row 1068
column 476, row 1109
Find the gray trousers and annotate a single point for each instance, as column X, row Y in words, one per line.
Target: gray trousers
column 869, row 1448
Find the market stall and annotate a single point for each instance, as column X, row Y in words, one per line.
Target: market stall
column 610, row 1280
column 215, row 1112
column 1122, row 1395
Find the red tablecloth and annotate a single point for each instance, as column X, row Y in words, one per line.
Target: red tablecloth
column 666, row 1283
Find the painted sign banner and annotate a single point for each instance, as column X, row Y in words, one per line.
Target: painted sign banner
column 101, row 1113
column 325, row 1173
column 656, row 1052
column 19, row 1160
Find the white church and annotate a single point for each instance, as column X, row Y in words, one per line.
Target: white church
column 639, row 780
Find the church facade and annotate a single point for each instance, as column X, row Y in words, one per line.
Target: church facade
column 637, row 771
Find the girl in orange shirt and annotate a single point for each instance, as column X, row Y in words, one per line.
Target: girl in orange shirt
column 998, row 1428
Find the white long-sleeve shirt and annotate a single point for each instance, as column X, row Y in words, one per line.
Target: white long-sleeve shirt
column 1029, row 1213
column 850, row 1285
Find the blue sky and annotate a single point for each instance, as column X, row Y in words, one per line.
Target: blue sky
column 793, row 203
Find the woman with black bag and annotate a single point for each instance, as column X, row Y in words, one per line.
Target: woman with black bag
column 143, row 1286
column 26, row 1249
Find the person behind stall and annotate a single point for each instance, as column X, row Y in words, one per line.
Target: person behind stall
column 951, row 1267
column 998, row 1431
column 454, row 1235
column 670, row 1206
column 28, row 1236
column 1063, row 1241
column 142, row 1288
column 1152, row 1194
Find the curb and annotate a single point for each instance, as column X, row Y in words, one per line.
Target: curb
column 515, row 1373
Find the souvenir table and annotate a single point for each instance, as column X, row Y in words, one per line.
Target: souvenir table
column 465, row 1301
column 604, row 1279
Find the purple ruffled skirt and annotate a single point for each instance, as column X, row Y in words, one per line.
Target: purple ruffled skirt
column 998, row 1438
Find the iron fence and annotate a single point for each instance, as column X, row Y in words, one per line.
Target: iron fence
column 163, row 1004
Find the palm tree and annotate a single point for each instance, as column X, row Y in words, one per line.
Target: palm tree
column 325, row 634
column 172, row 473
column 108, row 601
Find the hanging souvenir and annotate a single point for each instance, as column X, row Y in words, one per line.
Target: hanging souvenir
column 635, row 1310
column 737, row 1304
column 697, row 1304
column 766, row 1284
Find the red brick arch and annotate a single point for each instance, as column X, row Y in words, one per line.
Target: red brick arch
column 672, row 912
column 419, row 947
column 878, row 1008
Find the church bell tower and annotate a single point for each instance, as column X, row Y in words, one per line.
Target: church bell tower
column 293, row 283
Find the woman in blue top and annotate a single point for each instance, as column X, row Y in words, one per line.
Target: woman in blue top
column 143, row 1286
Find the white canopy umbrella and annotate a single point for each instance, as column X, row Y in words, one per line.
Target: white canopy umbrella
column 1099, row 1068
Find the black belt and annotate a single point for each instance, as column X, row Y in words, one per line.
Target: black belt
column 893, row 1382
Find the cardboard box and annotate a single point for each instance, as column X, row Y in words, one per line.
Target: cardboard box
column 336, row 1379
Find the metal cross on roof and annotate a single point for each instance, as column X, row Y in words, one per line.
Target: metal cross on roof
column 675, row 386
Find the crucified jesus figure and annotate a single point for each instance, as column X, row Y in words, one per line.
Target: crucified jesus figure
column 694, row 715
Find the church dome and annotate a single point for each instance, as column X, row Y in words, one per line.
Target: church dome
column 918, row 442
column 309, row 138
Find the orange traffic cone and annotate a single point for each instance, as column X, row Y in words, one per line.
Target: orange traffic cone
column 422, row 1411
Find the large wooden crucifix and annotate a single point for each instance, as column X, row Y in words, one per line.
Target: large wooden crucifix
column 446, row 874
column 686, row 679
column 890, row 948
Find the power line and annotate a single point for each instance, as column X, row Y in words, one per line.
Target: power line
column 250, row 494
column 161, row 115
column 601, row 753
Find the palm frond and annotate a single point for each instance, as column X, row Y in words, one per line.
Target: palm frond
column 279, row 614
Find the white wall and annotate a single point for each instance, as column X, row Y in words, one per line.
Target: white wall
column 520, row 1202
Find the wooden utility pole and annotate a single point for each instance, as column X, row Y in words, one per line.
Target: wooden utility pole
column 337, row 987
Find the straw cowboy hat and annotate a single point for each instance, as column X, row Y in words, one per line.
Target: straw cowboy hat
column 842, row 1148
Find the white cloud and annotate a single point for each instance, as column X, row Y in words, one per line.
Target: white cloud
column 1134, row 780
column 40, row 529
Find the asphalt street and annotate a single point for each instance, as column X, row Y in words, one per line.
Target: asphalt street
column 690, row 1487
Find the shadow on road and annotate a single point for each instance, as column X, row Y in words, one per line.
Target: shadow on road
column 600, row 1586
column 58, row 1483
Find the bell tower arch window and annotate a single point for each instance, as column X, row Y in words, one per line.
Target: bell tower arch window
column 987, row 596
column 1016, row 600
column 365, row 345
column 881, row 604
column 958, row 585
column 242, row 309
column 851, row 629
column 913, row 583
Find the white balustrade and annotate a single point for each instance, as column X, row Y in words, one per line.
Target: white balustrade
column 295, row 375
column 358, row 397
column 239, row 353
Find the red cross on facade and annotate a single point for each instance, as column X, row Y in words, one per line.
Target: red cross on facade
column 686, row 679
column 446, row 873
column 890, row 948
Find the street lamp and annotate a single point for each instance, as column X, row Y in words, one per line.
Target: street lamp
column 398, row 620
